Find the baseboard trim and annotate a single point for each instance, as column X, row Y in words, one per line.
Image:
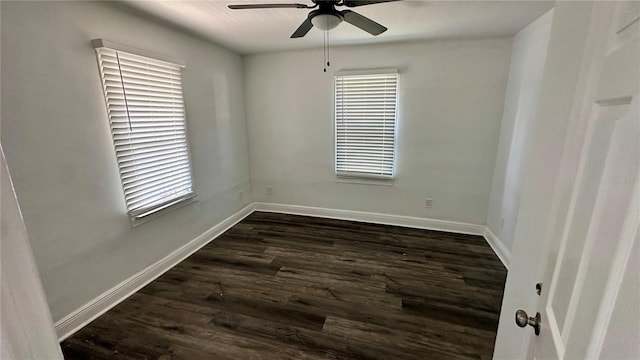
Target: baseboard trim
column 376, row 218
column 498, row 247
column 73, row 322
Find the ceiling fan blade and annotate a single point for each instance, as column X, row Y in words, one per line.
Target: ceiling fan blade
column 303, row 29
column 268, row 6
column 354, row 3
column 363, row 22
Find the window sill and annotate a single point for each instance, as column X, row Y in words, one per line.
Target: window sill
column 137, row 221
column 364, row 180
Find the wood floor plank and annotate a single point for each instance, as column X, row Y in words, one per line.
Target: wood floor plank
column 389, row 337
column 435, row 326
column 279, row 286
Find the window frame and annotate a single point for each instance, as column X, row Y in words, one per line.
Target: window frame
column 140, row 216
column 364, row 178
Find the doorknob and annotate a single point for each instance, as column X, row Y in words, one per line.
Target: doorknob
column 522, row 320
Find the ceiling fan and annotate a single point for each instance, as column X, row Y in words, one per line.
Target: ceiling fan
column 326, row 16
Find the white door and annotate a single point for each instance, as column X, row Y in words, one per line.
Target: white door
column 590, row 301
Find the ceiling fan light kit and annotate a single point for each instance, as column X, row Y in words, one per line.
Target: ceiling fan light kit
column 326, row 22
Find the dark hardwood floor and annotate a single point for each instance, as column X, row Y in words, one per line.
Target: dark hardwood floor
column 292, row 287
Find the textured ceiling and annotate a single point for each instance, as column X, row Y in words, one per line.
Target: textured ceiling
column 264, row 30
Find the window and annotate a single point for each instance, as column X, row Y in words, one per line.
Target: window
column 147, row 120
column 365, row 124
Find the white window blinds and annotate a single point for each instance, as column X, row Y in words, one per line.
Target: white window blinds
column 147, row 120
column 366, row 124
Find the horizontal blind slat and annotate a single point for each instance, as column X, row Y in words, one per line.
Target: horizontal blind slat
column 162, row 119
column 119, row 129
column 139, row 167
column 116, row 89
column 145, row 136
column 131, row 179
column 156, row 195
column 147, row 151
column 147, row 143
column 136, row 188
column 140, row 163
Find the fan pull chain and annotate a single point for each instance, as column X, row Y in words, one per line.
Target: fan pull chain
column 325, row 47
column 328, row 47
column 324, row 50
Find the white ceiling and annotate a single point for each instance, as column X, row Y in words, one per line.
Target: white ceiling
column 263, row 30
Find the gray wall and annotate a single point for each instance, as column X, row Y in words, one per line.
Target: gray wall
column 523, row 92
column 58, row 146
column 451, row 96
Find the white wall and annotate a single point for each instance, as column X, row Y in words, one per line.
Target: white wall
column 523, row 91
column 450, row 107
column 26, row 330
column 58, row 146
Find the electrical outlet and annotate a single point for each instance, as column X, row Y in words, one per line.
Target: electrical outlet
column 240, row 195
column 269, row 190
column 428, row 203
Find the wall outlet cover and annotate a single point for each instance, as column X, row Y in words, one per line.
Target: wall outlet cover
column 428, row 203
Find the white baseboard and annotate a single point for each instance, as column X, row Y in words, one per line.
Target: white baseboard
column 376, row 218
column 498, row 247
column 112, row 297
